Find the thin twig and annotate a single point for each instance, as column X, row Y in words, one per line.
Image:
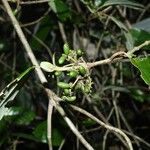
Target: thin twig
column 49, row 125
column 62, row 31
column 62, row 144
column 114, row 57
column 30, row 2
column 24, row 42
column 104, row 139
column 128, row 126
column 40, row 42
column 36, row 21
column 55, row 101
column 138, row 138
column 108, row 127
column 137, row 48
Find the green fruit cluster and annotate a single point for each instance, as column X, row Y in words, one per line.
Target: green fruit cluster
column 69, row 55
column 68, row 90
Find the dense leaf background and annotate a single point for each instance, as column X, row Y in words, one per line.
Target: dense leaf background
column 100, row 28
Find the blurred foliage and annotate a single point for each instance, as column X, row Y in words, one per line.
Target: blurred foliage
column 100, row 28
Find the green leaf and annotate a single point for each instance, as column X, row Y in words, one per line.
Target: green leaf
column 26, row 136
column 56, row 137
column 137, row 94
column 40, row 132
column 118, row 23
column 98, row 2
column 11, row 90
column 24, row 117
column 18, row 115
column 143, row 25
column 88, row 122
column 143, row 64
column 139, row 37
column 41, row 34
column 60, row 8
column 3, row 112
column 129, row 41
column 47, row 66
column 127, row 3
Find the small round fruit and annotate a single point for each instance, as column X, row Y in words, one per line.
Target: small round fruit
column 66, row 49
column 82, row 70
column 63, row 85
column 62, row 59
column 73, row 73
column 58, row 73
column 67, row 91
column 79, row 52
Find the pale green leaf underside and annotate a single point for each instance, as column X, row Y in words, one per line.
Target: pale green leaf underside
column 47, row 66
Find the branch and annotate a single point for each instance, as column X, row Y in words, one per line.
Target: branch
column 51, row 95
column 49, row 125
column 48, row 67
column 108, row 127
column 24, row 42
column 137, row 48
column 55, row 102
column 29, row 2
column 116, row 56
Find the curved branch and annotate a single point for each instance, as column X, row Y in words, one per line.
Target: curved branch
column 108, row 127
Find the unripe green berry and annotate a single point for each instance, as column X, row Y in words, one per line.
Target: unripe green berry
column 58, row 73
column 63, row 85
column 62, row 59
column 79, row 52
column 82, row 70
column 71, row 98
column 66, row 49
column 73, row 73
column 67, row 91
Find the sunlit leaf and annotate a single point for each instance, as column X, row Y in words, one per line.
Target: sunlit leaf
column 3, row 112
